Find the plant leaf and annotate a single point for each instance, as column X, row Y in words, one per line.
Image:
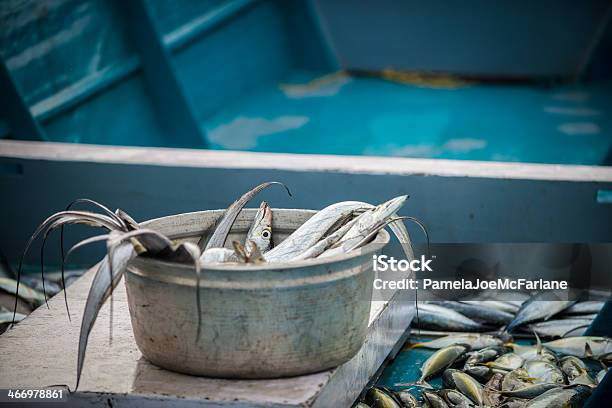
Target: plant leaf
column 219, row 236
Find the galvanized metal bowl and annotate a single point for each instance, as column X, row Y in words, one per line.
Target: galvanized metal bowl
column 273, row 320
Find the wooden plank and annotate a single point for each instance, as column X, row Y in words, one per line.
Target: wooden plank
column 198, row 158
column 41, row 351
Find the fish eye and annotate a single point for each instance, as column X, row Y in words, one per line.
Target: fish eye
column 265, row 234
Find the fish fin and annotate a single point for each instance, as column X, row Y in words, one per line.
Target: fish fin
column 538, row 343
column 588, row 352
column 240, row 251
column 224, row 225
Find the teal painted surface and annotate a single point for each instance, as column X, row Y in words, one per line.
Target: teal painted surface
column 245, row 66
column 370, row 116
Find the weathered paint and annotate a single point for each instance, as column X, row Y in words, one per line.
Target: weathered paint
column 459, row 201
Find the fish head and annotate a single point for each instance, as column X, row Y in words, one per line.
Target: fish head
column 390, row 207
column 261, row 228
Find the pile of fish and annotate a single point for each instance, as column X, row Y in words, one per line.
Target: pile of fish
column 538, row 314
column 481, row 370
column 337, row 229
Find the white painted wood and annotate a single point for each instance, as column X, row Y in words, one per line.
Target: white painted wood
column 41, row 351
column 300, row 162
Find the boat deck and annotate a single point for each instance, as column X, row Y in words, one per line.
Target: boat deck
column 41, row 351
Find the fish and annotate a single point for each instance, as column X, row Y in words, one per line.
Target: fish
column 576, row 371
column 218, row 255
column 513, row 403
column 318, row 248
column 601, row 374
column 478, row 312
column 534, row 352
column 495, row 304
column 469, row 387
column 569, row 397
column 519, row 384
column 582, row 346
column 224, row 225
column 361, row 405
column 380, row 397
column 454, row 398
column 316, row 227
column 506, row 362
column 407, row 399
column 587, row 307
column 474, row 340
column 367, row 224
column 537, row 308
column 448, row 378
column 486, row 354
column 260, row 231
column 559, row 327
column 530, row 391
column 440, row 318
column 441, row 360
column 544, row 372
column 480, row 372
column 434, row 400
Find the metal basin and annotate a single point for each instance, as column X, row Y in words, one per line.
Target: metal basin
column 264, row 321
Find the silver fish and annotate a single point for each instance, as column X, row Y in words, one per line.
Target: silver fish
column 440, row 318
column 514, row 403
column 507, row 362
column 588, row 307
column 318, row 248
column 536, row 352
column 486, row 354
column 309, row 233
column 519, row 384
column 561, row 398
column 260, row 231
column 469, row 387
column 544, row 372
column 537, row 308
column 480, row 372
column 601, row 374
column 455, row 399
column 408, row 399
column 434, row 400
column 473, row 311
column 474, row 340
column 495, row 304
column 576, row 371
column 223, row 227
column 441, row 360
column 583, row 346
column 219, row 255
column 529, row 391
column 367, row 224
column 379, row 397
column 560, row 327
column 448, row 378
